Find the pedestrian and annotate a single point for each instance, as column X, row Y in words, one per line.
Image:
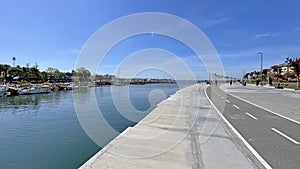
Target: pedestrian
column 230, row 82
column 257, row 82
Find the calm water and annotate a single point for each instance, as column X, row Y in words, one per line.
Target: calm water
column 43, row 132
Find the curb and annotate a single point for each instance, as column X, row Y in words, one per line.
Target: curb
column 252, row 150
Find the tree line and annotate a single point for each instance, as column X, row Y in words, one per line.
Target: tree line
column 34, row 75
column 277, row 71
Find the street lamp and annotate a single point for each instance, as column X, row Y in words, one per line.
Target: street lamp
column 261, row 66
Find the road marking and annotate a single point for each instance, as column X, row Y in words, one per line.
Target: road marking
column 235, row 106
column 222, row 97
column 285, row 136
column 227, row 101
column 287, row 118
column 250, row 115
column 254, row 152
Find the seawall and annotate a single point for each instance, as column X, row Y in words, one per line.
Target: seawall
column 181, row 132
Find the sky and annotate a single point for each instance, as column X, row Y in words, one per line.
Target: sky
column 53, row 33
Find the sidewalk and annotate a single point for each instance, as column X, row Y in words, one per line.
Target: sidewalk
column 182, row 132
column 280, row 101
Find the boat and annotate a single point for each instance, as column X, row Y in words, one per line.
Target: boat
column 71, row 87
column 3, row 89
column 34, row 90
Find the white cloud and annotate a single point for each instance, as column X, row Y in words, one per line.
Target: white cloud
column 243, row 54
column 266, row 35
column 217, row 21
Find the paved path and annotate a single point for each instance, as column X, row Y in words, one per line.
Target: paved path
column 282, row 101
column 182, row 132
column 266, row 118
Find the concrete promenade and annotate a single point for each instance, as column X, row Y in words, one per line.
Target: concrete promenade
column 183, row 131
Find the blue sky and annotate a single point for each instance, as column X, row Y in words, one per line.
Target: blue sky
column 52, row 33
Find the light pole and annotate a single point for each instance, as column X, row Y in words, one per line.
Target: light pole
column 261, row 66
column 14, row 60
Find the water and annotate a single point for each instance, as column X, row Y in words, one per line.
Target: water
column 43, row 132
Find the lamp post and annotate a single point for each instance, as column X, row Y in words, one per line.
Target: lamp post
column 14, row 60
column 261, row 66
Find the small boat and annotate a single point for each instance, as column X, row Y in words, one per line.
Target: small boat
column 34, row 90
column 71, row 87
column 3, row 89
column 11, row 91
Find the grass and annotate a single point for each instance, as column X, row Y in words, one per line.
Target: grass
column 290, row 85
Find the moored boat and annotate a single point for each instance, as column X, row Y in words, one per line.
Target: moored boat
column 3, row 89
column 34, row 90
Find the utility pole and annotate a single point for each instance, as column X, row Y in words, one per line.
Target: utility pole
column 298, row 74
column 261, row 66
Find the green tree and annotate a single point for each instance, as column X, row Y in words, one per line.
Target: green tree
column 45, row 76
column 3, row 69
column 15, row 71
column 83, row 74
column 33, row 73
column 294, row 62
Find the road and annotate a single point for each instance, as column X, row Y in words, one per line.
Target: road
column 275, row 138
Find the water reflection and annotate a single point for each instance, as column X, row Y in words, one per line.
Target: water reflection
column 38, row 131
column 27, row 104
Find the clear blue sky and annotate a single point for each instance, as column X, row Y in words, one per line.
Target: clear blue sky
column 52, row 33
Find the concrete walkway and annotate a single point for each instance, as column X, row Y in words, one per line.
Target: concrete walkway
column 183, row 131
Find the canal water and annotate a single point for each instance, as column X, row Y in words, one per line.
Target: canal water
column 43, row 132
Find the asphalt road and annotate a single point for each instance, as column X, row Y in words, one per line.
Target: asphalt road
column 275, row 139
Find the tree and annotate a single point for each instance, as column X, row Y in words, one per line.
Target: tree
column 15, row 71
column 50, row 70
column 44, row 76
column 33, row 74
column 294, row 62
column 98, row 77
column 246, row 76
column 83, row 74
column 3, row 70
column 36, row 66
column 289, row 75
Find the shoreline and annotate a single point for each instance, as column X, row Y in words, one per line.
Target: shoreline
column 174, row 136
column 44, row 88
column 101, row 152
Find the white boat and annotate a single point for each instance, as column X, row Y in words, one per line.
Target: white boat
column 34, row 90
column 71, row 87
column 3, row 89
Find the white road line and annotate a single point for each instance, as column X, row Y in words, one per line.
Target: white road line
column 254, row 152
column 222, row 97
column 285, row 136
column 236, row 106
column 227, row 101
column 287, row 118
column 250, row 115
